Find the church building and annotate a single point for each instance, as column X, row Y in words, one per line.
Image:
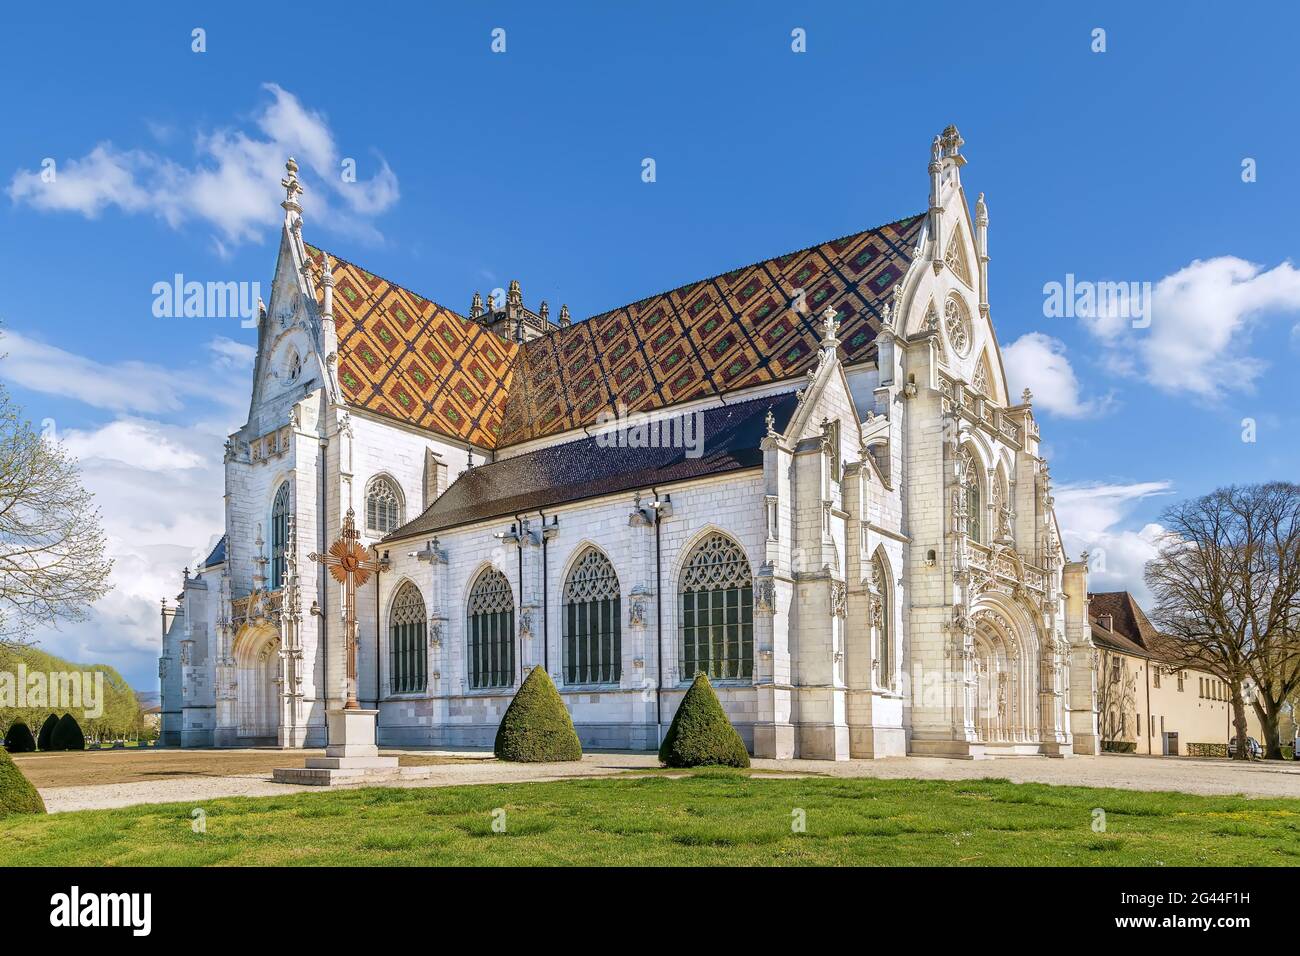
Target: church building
column 804, row 478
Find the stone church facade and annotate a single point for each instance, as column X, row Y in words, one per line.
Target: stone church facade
column 803, row 477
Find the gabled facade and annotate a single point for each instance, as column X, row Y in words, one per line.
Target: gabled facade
column 803, row 477
column 1146, row 702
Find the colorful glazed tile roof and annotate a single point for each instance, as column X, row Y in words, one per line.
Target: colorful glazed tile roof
column 409, row 358
column 415, row 360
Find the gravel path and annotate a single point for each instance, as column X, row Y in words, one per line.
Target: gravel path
column 1185, row 775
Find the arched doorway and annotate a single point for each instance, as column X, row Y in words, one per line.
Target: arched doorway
column 257, row 676
column 1006, row 667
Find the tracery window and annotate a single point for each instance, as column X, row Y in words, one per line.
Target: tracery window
column 490, row 631
column 593, row 648
column 383, row 506
column 717, row 612
column 955, row 258
column 956, row 322
column 408, row 642
column 279, row 535
column 980, row 380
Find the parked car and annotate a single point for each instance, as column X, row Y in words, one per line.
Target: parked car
column 1252, row 747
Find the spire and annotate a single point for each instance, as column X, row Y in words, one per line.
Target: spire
column 936, row 210
column 327, row 283
column 292, row 190
column 565, row 321
column 545, row 312
column 982, row 252
column 476, row 307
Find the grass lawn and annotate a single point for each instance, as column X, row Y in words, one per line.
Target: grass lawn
column 709, row 817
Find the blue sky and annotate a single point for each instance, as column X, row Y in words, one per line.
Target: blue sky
column 475, row 167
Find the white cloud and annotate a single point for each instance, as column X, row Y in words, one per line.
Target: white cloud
column 234, row 186
column 1038, row 362
column 121, row 386
column 159, row 486
column 128, row 386
column 230, row 354
column 1092, row 518
column 1201, row 320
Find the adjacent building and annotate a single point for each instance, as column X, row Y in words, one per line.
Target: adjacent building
column 1146, row 704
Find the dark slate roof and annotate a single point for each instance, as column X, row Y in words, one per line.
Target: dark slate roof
column 218, row 554
column 583, row 469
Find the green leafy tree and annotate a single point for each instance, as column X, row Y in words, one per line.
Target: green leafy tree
column 536, row 727
column 700, row 734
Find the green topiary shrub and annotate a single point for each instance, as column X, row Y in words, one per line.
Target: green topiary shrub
column 19, row 739
column 700, row 734
column 67, row 735
column 536, row 727
column 47, row 731
column 17, row 795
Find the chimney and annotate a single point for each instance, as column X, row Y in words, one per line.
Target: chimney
column 1107, row 621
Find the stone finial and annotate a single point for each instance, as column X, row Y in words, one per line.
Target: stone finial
column 515, row 296
column 770, row 419
column 1027, row 397
column 292, row 189
column 887, row 317
column 564, row 316
column 476, row 306
column 952, row 142
column 544, row 311
column 829, row 328
column 470, row 463
column 981, row 212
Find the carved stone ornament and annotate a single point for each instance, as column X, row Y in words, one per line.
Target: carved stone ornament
column 839, row 599
column 765, row 591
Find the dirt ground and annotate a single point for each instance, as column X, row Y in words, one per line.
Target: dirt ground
column 93, row 768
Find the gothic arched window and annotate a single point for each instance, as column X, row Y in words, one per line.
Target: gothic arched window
column 717, row 612
column 383, row 505
column 279, row 535
column 882, row 612
column 593, row 646
column 407, row 643
column 490, row 631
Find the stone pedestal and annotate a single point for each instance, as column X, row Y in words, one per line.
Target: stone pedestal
column 351, row 755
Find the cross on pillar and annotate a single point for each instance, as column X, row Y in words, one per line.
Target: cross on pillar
column 349, row 565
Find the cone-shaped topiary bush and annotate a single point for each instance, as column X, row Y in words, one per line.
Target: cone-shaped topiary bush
column 536, row 727
column 67, row 735
column 700, row 734
column 19, row 739
column 17, row 795
column 47, row 731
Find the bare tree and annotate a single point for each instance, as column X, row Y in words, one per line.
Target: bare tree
column 52, row 563
column 1227, row 586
